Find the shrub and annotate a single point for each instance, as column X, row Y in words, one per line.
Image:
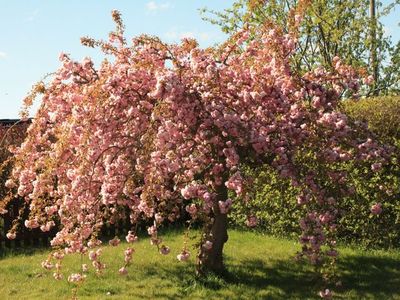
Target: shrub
column 275, row 198
column 381, row 114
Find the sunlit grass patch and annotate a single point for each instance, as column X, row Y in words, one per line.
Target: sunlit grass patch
column 258, row 267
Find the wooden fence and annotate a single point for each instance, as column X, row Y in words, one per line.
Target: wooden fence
column 25, row 237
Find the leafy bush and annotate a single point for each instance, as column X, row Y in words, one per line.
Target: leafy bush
column 381, row 114
column 273, row 204
column 274, row 200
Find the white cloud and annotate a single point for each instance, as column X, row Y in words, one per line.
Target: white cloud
column 201, row 36
column 154, row 6
column 3, row 54
column 187, row 34
column 32, row 15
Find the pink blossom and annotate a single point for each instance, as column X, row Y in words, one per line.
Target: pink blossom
column 325, row 218
column 183, row 256
column 129, row 251
column 11, row 235
column 158, row 218
column 31, row 223
column 369, row 80
column 251, row 221
column 298, row 19
column 235, row 183
column 47, row 265
column 190, row 191
column 131, row 237
column 10, row 184
column 186, row 192
column 224, row 206
column 192, row 210
column 92, row 255
column 302, row 199
column 376, row 209
column 155, row 241
column 164, row 250
column 46, row 227
column 98, row 266
column 76, row 278
column 123, row 271
column 58, row 255
column 114, row 242
column 326, row 294
column 376, row 167
column 152, row 230
column 93, row 243
column 207, row 245
column 51, row 210
column 231, row 156
column 57, row 276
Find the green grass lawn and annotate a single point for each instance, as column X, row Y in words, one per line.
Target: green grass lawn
column 260, row 267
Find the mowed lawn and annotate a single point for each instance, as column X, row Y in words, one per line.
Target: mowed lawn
column 259, row 267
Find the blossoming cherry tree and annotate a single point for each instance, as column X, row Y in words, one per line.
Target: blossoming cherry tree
column 164, row 131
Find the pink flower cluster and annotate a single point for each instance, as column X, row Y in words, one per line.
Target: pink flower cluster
column 224, row 206
column 94, row 257
column 131, row 237
column 183, row 256
column 207, row 245
column 376, row 209
column 76, row 278
column 251, row 221
column 114, row 242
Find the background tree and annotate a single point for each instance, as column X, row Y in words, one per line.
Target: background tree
column 330, row 28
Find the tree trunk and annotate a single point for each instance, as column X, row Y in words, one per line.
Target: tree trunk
column 212, row 260
column 373, row 51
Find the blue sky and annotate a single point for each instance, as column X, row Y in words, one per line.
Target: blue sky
column 34, row 32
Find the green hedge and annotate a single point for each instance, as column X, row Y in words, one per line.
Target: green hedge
column 381, row 113
column 275, row 201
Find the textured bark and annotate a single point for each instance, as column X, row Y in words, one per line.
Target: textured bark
column 373, row 52
column 212, row 260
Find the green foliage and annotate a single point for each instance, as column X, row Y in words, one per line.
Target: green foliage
column 381, row 114
column 390, row 82
column 274, row 202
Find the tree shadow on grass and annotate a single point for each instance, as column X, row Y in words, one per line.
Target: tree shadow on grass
column 283, row 279
column 371, row 276
column 22, row 251
column 363, row 277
